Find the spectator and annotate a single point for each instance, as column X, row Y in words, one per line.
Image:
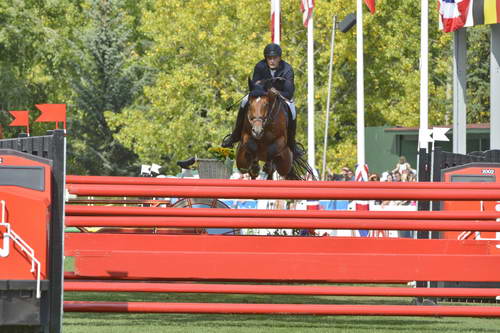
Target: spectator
column 403, row 167
column 412, row 177
column 397, row 177
column 350, row 175
column 345, row 173
column 374, row 177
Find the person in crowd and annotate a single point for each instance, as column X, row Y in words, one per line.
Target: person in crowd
column 412, row 177
column 390, row 178
column 374, row 177
column 397, row 176
column 343, row 173
column 403, row 167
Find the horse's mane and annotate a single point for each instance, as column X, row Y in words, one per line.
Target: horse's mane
column 258, row 92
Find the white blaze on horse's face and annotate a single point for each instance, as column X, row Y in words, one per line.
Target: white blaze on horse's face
column 257, row 113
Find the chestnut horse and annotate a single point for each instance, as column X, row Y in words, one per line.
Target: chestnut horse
column 265, row 136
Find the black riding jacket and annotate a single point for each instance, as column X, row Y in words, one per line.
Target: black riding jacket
column 284, row 70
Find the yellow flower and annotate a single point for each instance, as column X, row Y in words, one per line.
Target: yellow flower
column 221, row 153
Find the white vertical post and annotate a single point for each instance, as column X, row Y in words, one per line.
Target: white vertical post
column 459, row 91
column 495, row 87
column 310, row 93
column 276, row 10
column 330, row 69
column 360, row 95
column 424, row 75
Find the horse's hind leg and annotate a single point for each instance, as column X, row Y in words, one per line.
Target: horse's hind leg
column 283, row 162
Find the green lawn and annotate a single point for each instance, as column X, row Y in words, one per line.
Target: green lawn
column 156, row 323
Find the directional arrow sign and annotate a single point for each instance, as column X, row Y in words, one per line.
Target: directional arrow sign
column 439, row 134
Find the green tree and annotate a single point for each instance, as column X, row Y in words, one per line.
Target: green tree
column 107, row 78
column 478, row 74
column 32, row 53
column 203, row 52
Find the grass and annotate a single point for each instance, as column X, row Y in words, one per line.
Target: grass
column 206, row 323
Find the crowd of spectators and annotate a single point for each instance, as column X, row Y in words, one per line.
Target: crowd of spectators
column 402, row 172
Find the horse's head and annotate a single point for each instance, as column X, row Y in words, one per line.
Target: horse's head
column 258, row 111
column 260, row 108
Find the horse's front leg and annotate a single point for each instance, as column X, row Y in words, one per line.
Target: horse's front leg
column 246, row 155
column 269, row 169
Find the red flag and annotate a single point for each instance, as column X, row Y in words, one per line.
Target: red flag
column 371, row 5
column 52, row 112
column 306, row 6
column 453, row 14
column 21, row 118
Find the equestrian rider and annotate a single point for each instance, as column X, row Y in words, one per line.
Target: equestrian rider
column 272, row 66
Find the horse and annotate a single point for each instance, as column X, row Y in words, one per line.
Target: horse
column 265, row 135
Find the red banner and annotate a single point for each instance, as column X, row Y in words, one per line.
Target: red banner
column 21, row 118
column 371, row 5
column 52, row 112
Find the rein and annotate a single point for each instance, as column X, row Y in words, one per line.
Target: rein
column 271, row 113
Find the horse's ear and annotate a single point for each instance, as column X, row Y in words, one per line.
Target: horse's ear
column 250, row 84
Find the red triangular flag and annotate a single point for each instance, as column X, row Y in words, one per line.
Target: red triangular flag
column 52, row 112
column 371, row 5
column 21, row 118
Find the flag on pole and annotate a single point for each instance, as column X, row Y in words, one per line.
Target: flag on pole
column 21, row 118
column 371, row 5
column 481, row 12
column 361, row 174
column 306, row 6
column 52, row 112
column 453, row 14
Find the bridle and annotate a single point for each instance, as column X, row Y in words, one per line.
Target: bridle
column 270, row 114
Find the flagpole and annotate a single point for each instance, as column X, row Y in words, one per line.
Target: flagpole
column 310, row 93
column 424, row 76
column 276, row 11
column 330, row 69
column 360, row 110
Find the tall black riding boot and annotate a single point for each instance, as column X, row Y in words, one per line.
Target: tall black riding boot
column 292, row 127
column 234, row 137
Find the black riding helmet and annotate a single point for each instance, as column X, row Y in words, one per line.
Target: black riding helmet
column 272, row 50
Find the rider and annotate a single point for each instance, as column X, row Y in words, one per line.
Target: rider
column 272, row 66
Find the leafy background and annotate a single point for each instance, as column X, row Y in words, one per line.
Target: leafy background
column 152, row 81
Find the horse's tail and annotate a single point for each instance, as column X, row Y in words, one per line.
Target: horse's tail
column 301, row 170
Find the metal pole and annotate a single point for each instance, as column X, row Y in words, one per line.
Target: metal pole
column 310, row 94
column 330, row 68
column 316, row 309
column 276, row 19
column 495, row 87
column 360, row 95
column 424, row 75
column 459, row 91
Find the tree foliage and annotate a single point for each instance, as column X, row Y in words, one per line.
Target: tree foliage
column 108, row 77
column 154, row 81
